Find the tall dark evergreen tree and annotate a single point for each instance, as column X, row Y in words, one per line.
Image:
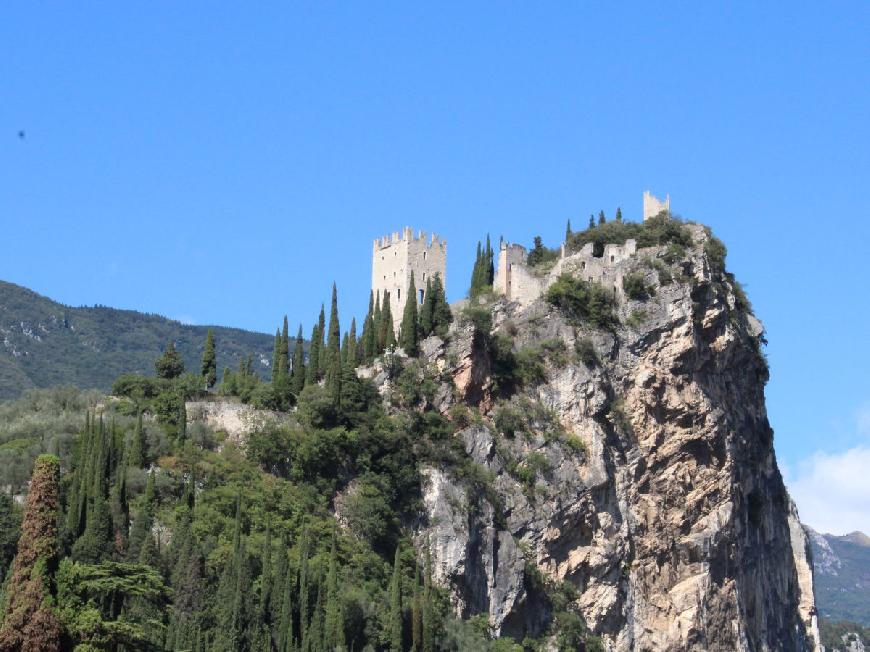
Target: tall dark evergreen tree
column 395, row 629
column 442, row 316
column 568, row 232
column 386, row 337
column 333, row 624
column 29, row 623
column 209, row 361
column 298, row 363
column 313, row 356
column 333, row 343
column 601, row 218
column 321, row 351
column 618, row 214
column 351, row 359
column 169, row 365
column 426, row 311
column 409, row 334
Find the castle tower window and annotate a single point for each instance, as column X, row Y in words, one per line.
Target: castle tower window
column 611, row 259
column 583, row 265
column 398, row 293
column 424, row 255
column 421, row 296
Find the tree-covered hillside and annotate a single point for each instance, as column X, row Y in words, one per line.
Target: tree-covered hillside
column 45, row 344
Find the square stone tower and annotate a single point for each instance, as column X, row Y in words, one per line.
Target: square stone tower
column 395, row 257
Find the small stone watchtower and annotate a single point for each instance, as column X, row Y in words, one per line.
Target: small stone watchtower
column 652, row 205
column 395, row 257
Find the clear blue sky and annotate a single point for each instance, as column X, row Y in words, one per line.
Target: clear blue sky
column 225, row 163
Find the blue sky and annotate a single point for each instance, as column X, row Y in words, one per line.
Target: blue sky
column 225, row 163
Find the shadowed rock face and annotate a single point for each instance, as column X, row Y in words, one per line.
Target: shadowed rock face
column 654, row 492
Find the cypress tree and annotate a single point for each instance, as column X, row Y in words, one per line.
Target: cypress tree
column 426, row 311
column 321, row 353
column 333, row 342
column 591, row 221
column 351, row 357
column 618, row 214
column 428, row 611
column 568, row 231
column 333, row 627
column 141, row 530
column 396, row 606
column 30, row 623
column 417, row 613
column 409, row 334
column 266, row 575
column 304, row 589
column 285, row 347
column 601, row 218
column 285, row 623
column 313, row 357
column 476, row 273
column 377, row 317
column 209, row 361
column 298, row 363
column 276, row 356
column 442, row 316
column 386, row 337
column 136, row 449
column 490, row 267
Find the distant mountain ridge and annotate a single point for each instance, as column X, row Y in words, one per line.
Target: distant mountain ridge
column 44, row 343
column 841, row 566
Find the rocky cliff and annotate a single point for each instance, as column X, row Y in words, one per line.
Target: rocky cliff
column 628, row 470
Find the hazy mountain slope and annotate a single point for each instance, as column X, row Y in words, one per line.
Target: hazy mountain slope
column 842, row 574
column 44, row 343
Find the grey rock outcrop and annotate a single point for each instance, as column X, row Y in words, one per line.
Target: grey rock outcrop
column 646, row 482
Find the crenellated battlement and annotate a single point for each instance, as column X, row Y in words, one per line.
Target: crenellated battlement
column 407, row 235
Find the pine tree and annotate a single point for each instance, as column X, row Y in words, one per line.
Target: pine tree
column 209, row 361
column 601, row 218
column 618, row 214
column 409, row 334
column 30, row 623
column 169, row 365
column 396, row 606
column 298, row 363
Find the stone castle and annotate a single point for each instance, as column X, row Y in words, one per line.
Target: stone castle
column 395, row 257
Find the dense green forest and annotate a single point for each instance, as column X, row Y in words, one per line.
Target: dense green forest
column 46, row 344
column 144, row 532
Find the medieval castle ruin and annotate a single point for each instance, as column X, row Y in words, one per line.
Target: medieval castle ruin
column 395, row 257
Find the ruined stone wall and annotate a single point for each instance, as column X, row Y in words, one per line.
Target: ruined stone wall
column 395, row 257
column 652, row 205
column 518, row 282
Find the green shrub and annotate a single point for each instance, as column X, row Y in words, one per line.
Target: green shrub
column 636, row 318
column 582, row 301
column 508, row 420
column 634, row 286
column 716, row 253
column 555, row 352
column 530, row 369
column 585, row 350
column 480, row 316
column 658, row 230
column 674, row 253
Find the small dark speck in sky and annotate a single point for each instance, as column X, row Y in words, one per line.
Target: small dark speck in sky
column 21, row 135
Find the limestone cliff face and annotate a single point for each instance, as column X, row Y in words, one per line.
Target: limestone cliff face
column 646, row 481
